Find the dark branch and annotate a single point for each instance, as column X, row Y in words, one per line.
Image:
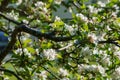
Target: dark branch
column 110, row 42
column 3, row 5
column 25, row 28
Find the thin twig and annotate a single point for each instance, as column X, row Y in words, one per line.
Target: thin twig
column 110, row 42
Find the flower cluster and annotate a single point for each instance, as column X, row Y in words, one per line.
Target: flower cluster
column 71, row 29
column 116, row 74
column 91, row 68
column 62, row 72
column 24, row 51
column 13, row 15
column 96, row 37
column 50, row 54
column 82, row 17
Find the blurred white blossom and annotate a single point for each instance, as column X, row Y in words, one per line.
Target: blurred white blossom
column 27, row 52
column 93, row 38
column 82, row 17
column 19, row 2
column 92, row 9
column 57, row 19
column 86, row 51
column 39, row 4
column 62, row 72
column 91, row 68
column 81, row 68
column 100, row 36
column 20, row 51
column 115, row 48
column 45, row 10
column 58, row 1
column 37, row 51
column 102, row 4
column 50, row 54
column 101, row 70
column 13, row 15
column 43, row 75
column 105, row 60
column 96, row 51
column 116, row 74
column 70, row 29
column 25, row 21
column 117, row 53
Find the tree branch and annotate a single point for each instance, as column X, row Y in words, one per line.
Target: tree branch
column 27, row 29
column 24, row 28
column 110, row 42
column 3, row 5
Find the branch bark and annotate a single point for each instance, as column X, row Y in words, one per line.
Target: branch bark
column 27, row 29
column 110, row 42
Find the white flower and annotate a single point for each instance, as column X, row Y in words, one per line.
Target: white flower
column 115, row 48
column 116, row 6
column 63, row 72
column 91, row 68
column 116, row 74
column 25, row 21
column 50, row 54
column 108, row 28
column 101, row 70
column 93, row 38
column 58, row 2
column 117, row 53
column 80, row 15
column 45, row 10
column 19, row 2
column 57, row 19
column 95, row 68
column 13, row 15
column 20, row 51
column 43, row 75
column 37, row 51
column 70, row 10
column 95, row 51
column 92, row 9
column 86, row 52
column 102, row 4
column 81, row 68
column 70, row 29
column 100, row 36
column 39, row 4
column 105, row 60
column 27, row 53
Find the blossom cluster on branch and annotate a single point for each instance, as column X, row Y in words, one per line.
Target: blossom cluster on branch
column 45, row 46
